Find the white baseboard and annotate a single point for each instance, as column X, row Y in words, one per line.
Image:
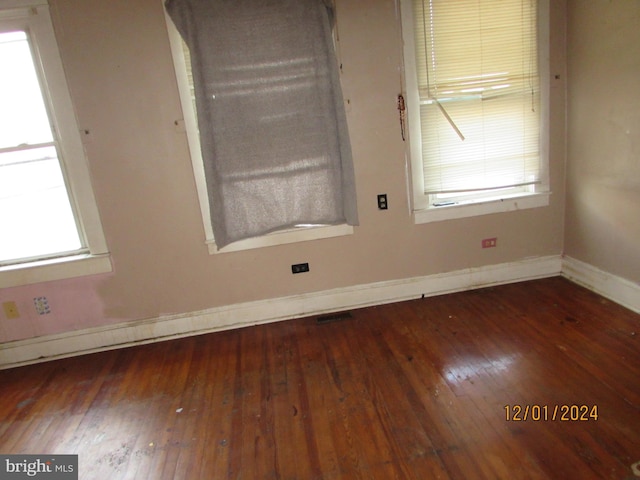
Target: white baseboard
column 121, row 335
column 615, row 288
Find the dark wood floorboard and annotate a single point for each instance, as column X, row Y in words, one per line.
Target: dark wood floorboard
column 413, row 390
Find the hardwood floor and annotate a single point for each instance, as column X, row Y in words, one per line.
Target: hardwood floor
column 411, row 390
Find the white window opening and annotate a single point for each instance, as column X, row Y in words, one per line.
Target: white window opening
column 33, row 198
column 476, row 105
column 47, row 210
column 184, row 76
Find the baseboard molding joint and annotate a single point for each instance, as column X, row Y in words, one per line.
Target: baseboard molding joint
column 613, row 287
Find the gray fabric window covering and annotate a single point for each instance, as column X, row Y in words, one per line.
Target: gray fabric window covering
column 273, row 130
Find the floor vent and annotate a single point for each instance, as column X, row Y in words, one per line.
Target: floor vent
column 334, row 317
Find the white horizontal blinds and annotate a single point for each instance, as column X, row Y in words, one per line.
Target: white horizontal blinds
column 34, row 203
column 479, row 94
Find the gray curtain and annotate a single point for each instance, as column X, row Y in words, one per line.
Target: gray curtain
column 270, row 112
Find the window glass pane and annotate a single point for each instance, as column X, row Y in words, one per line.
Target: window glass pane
column 23, row 119
column 500, row 146
column 35, row 212
column 36, row 217
column 479, row 94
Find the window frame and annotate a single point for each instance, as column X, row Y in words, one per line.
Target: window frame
column 188, row 125
column 93, row 257
column 423, row 210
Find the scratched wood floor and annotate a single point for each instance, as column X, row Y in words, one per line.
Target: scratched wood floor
column 411, row 390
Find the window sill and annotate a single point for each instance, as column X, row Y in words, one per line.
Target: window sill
column 54, row 269
column 281, row 238
column 463, row 210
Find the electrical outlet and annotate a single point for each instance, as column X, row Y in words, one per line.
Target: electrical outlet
column 10, row 310
column 490, row 242
column 382, row 201
column 299, row 268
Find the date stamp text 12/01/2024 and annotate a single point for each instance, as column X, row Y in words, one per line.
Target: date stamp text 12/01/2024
column 544, row 413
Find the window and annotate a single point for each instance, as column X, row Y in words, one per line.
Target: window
column 47, row 210
column 476, row 105
column 269, row 146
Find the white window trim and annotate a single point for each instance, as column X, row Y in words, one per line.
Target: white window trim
column 188, row 125
column 497, row 205
column 94, row 257
column 422, row 211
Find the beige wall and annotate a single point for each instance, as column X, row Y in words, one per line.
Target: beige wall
column 603, row 176
column 119, row 67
